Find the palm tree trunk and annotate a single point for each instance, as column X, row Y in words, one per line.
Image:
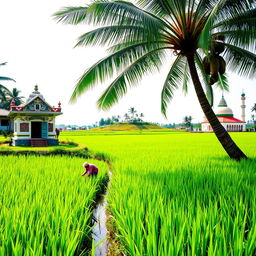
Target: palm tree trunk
column 226, row 141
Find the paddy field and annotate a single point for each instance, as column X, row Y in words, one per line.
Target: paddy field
column 170, row 194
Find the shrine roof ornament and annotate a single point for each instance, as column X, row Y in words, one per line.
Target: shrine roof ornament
column 223, row 102
column 223, row 110
column 33, row 95
column 35, row 104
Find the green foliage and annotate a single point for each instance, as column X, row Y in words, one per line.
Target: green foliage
column 4, row 90
column 171, row 196
column 223, row 83
column 46, row 206
column 14, row 94
column 71, row 15
column 187, row 121
column 175, row 78
column 253, row 108
column 198, row 201
column 6, row 133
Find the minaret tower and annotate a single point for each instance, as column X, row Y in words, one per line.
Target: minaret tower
column 243, row 106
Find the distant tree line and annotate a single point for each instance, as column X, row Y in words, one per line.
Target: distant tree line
column 108, row 121
column 251, row 125
column 132, row 116
column 187, row 122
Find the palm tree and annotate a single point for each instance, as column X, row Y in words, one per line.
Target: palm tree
column 187, row 121
column 14, row 94
column 132, row 111
column 253, row 117
column 115, row 119
column 126, row 117
column 141, row 116
column 139, row 36
column 3, row 90
column 254, row 108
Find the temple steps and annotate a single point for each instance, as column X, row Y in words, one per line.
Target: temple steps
column 38, row 143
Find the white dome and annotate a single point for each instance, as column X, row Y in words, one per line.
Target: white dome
column 224, row 111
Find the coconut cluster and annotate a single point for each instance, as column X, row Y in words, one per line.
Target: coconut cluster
column 214, row 63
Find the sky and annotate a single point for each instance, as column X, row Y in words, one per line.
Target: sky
column 41, row 51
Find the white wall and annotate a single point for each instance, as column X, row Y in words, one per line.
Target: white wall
column 235, row 127
column 17, row 132
column 27, row 135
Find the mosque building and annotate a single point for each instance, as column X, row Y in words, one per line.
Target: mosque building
column 226, row 117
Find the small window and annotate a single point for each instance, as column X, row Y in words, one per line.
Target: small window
column 37, row 107
column 5, row 122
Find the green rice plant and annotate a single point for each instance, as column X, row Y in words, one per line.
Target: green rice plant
column 46, row 206
column 178, row 194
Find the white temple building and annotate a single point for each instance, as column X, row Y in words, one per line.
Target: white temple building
column 33, row 122
column 226, row 117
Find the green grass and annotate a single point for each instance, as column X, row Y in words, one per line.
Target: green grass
column 71, row 134
column 46, row 205
column 63, row 145
column 179, row 194
column 170, row 194
column 49, row 148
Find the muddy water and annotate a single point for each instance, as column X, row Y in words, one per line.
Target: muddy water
column 99, row 231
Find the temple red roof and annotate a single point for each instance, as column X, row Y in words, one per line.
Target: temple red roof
column 227, row 119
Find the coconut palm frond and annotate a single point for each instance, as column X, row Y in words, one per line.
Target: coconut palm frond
column 4, row 91
column 240, row 60
column 172, row 11
column 241, row 38
column 172, row 82
column 120, row 13
column 148, row 63
column 7, row 96
column 163, row 8
column 231, row 8
column 107, row 67
column 2, row 95
column 13, row 94
column 222, row 83
column 186, row 77
column 239, row 29
column 120, row 46
column 209, row 93
column 245, row 19
column 3, row 88
column 159, row 7
column 151, row 44
column 4, row 78
column 206, row 31
column 113, row 34
column 71, row 15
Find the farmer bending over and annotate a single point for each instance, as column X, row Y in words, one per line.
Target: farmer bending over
column 90, row 169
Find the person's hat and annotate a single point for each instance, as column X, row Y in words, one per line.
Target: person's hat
column 85, row 164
